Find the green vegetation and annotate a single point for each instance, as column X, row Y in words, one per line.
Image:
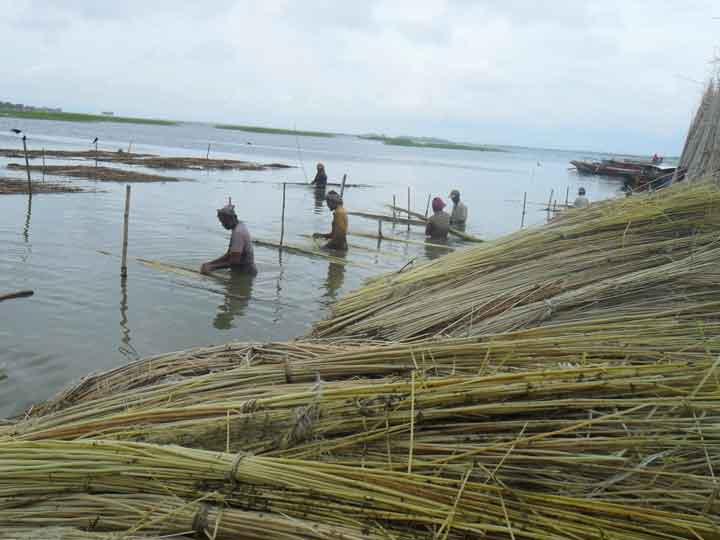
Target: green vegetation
column 81, row 117
column 275, row 131
column 426, row 142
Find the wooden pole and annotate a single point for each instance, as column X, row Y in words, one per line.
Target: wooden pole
column 18, row 294
column 282, row 217
column 123, row 267
column 552, row 192
column 409, row 209
column 130, row 147
column 207, row 155
column 43, row 164
column 567, row 196
column 522, row 219
column 96, row 155
column 427, row 206
column 342, row 186
column 393, row 209
column 380, row 235
column 27, row 165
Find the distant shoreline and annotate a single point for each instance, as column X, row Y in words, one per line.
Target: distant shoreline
column 82, row 117
column 275, row 131
column 430, row 143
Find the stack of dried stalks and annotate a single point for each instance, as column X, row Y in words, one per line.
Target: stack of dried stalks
column 380, row 503
column 701, row 153
column 644, row 254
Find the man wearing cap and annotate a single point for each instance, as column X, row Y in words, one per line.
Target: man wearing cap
column 240, row 255
column 458, row 217
column 438, row 224
column 338, row 234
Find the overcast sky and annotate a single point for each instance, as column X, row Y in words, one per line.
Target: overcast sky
column 612, row 75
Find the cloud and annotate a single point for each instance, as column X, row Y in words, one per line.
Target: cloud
column 606, row 75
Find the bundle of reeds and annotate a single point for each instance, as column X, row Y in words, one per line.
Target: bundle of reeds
column 628, row 253
column 701, row 153
column 577, row 427
column 399, row 504
column 70, row 533
column 137, row 513
column 176, row 366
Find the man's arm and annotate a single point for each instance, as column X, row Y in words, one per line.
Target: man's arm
column 428, row 228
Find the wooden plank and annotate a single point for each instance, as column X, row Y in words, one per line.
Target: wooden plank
column 455, row 232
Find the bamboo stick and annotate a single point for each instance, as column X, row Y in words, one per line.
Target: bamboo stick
column 126, row 215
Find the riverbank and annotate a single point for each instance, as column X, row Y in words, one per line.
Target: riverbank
column 83, row 117
column 275, row 131
column 424, row 142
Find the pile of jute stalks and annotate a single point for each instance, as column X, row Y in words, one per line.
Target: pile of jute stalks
column 571, row 394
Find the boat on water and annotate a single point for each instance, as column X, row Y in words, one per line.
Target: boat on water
column 635, row 172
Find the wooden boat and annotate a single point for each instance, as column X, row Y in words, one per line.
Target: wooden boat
column 632, row 170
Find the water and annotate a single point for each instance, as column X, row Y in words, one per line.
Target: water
column 82, row 318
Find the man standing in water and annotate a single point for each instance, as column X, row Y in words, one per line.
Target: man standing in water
column 581, row 201
column 338, row 234
column 458, row 217
column 438, row 225
column 320, row 180
column 240, row 255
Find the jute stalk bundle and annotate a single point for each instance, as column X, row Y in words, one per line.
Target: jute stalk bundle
column 496, row 282
column 137, row 514
column 607, row 419
column 334, row 494
column 71, row 533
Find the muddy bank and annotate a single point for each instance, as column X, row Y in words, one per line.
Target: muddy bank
column 101, row 174
column 146, row 160
column 15, row 186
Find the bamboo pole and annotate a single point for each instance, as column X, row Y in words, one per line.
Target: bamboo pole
column 130, row 147
column 552, row 192
column 27, row 164
column 409, row 209
column 18, row 294
column 380, row 234
column 43, row 157
column 567, row 196
column 522, row 219
column 282, row 218
column 393, row 210
column 427, row 206
column 207, row 155
column 342, row 186
column 123, row 264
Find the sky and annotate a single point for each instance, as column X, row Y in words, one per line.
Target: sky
column 608, row 75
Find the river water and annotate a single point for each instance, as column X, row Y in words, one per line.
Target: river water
column 83, row 319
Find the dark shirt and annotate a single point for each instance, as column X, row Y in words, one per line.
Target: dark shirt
column 320, row 179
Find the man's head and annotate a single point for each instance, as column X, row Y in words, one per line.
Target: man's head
column 438, row 204
column 333, row 199
column 320, row 167
column 455, row 196
column 227, row 216
column 581, row 191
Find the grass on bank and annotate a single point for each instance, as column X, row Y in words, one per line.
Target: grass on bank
column 274, row 131
column 430, row 143
column 82, row 117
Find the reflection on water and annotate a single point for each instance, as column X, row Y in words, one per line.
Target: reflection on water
column 28, row 214
column 319, row 194
column 126, row 348
column 432, row 252
column 335, row 276
column 238, row 290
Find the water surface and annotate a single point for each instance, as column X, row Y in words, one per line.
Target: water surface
column 83, row 317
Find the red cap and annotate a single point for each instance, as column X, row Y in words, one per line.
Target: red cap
column 438, row 204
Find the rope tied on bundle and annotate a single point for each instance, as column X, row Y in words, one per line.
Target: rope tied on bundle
column 305, row 419
column 200, row 520
column 231, row 475
column 549, row 310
